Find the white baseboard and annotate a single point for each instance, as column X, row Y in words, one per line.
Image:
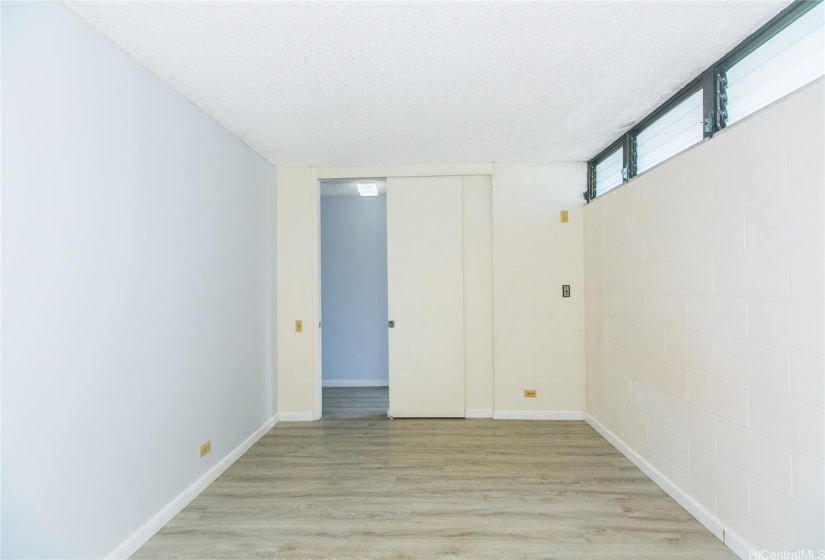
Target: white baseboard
column 703, row 516
column 295, row 416
column 738, row 545
column 478, row 413
column 355, row 383
column 538, row 415
column 137, row 539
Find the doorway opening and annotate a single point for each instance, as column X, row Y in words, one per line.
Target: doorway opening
column 353, row 281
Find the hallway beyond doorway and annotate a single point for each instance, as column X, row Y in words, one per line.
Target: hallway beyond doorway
column 350, row 403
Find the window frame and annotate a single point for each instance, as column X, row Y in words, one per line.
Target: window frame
column 591, row 167
column 686, row 92
column 713, row 84
column 609, row 151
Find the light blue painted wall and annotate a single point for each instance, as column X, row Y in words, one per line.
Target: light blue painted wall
column 354, row 288
column 137, row 289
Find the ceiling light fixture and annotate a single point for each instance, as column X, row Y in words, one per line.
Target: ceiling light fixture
column 368, row 189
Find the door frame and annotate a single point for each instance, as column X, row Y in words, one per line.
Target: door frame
column 358, row 172
column 319, row 354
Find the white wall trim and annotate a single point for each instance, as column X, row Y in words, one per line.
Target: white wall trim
column 146, row 531
column 295, row 416
column 478, row 413
column 733, row 541
column 356, row 382
column 737, row 544
column 538, row 415
column 404, row 170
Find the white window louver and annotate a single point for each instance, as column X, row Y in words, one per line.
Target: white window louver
column 787, row 61
column 673, row 132
column 609, row 172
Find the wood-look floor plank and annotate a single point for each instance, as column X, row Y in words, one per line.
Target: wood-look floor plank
column 357, row 485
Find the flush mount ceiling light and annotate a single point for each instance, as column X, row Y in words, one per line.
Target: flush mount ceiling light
column 368, row 189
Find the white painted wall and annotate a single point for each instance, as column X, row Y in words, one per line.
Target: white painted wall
column 354, row 291
column 704, row 283
column 298, row 294
column 136, row 301
column 479, row 390
column 512, row 227
column 539, row 336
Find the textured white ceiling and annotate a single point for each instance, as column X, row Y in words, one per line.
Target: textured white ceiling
column 346, row 83
column 349, row 187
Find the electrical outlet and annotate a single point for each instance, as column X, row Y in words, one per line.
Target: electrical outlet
column 564, row 217
column 565, row 290
column 299, row 326
column 206, row 448
column 530, row 393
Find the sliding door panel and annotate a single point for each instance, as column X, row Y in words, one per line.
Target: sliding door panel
column 426, row 301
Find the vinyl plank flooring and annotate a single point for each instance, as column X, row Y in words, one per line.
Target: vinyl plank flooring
column 357, row 485
column 342, row 403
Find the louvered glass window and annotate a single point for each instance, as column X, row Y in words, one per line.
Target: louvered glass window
column 676, row 130
column 787, row 61
column 609, row 172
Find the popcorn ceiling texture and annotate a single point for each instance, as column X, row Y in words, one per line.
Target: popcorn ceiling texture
column 332, row 83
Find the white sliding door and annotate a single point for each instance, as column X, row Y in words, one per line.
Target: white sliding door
column 426, row 298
